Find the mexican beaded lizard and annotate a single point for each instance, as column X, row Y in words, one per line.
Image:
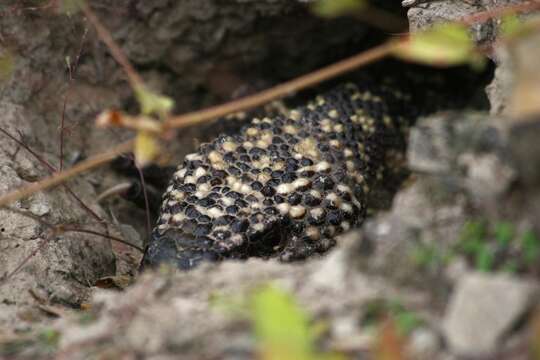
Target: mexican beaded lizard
column 284, row 186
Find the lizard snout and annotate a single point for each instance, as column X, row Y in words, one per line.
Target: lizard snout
column 176, row 248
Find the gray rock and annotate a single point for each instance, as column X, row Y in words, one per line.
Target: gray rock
column 424, row 343
column 426, row 13
column 488, row 175
column 482, row 309
column 165, row 313
column 525, row 149
column 498, row 91
column 429, row 147
column 465, row 153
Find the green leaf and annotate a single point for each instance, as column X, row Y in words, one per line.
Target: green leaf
column 378, row 311
column 407, row 321
column 504, row 233
column 335, row 8
column 146, row 148
column 472, row 236
column 510, row 25
column 153, row 103
column 484, row 259
column 7, row 65
column 49, row 337
column 511, row 266
column 531, row 247
column 442, row 45
column 70, row 7
column 282, row 327
column 429, row 256
column 280, row 323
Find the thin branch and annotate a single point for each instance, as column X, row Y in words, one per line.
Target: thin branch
column 72, row 69
column 97, row 233
column 62, row 121
column 17, row 7
column 204, row 115
column 7, row 276
column 52, row 169
column 483, row 16
column 146, row 204
column 61, row 177
column 134, row 78
column 55, row 230
column 29, row 149
column 115, row 190
column 283, row 89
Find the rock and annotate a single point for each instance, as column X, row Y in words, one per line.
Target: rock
column 524, row 102
column 457, row 269
column 429, row 147
column 499, row 90
column 423, row 343
column 525, row 148
column 482, row 309
column 465, row 152
column 488, row 176
column 164, row 312
column 523, row 84
column 426, row 215
column 332, row 272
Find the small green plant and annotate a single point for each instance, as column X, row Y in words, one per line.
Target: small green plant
column 86, row 318
column 49, row 338
column 504, row 233
column 510, row 25
column 498, row 247
column 473, row 243
column 513, row 27
column 531, row 248
column 380, row 310
column 11, row 347
column 283, row 329
column 429, row 256
column 487, row 246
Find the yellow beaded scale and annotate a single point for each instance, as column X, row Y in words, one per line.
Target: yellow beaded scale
column 285, row 186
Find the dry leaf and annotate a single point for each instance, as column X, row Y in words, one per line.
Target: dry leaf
column 390, row 344
column 445, row 44
column 146, row 148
